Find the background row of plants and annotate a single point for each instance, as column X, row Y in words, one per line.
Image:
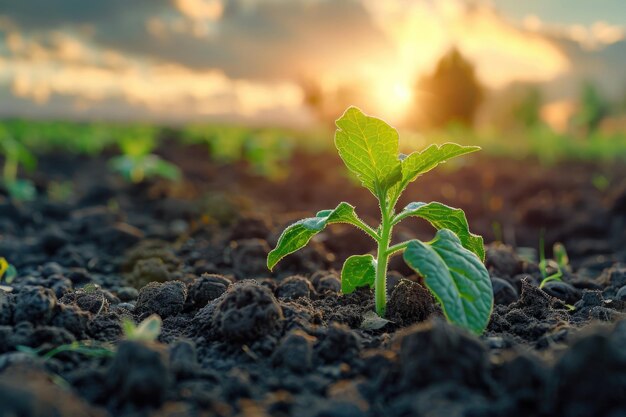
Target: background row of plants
column 266, row 151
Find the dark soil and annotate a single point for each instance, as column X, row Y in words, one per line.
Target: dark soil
column 238, row 340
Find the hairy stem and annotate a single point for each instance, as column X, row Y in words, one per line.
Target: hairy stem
column 366, row 228
column 380, row 284
column 397, row 248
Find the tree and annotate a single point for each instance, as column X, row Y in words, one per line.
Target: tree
column 452, row 93
column 593, row 108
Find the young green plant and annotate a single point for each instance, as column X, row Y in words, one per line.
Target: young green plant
column 7, row 271
column 451, row 264
column 137, row 161
column 146, row 331
column 561, row 262
column 16, row 154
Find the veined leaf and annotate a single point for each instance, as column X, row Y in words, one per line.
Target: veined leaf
column 418, row 163
column 358, row 271
column 457, row 278
column 298, row 234
column 445, row 217
column 369, row 148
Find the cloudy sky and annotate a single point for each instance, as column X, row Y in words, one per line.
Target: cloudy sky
column 177, row 60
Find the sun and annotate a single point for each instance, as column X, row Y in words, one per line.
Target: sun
column 401, row 93
column 394, row 98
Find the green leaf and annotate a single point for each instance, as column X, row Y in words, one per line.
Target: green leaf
column 149, row 329
column 164, row 169
column 456, row 277
column 445, row 217
column 128, row 328
column 369, row 148
column 418, row 163
column 298, row 234
column 17, row 152
column 138, row 168
column 23, row 190
column 358, row 271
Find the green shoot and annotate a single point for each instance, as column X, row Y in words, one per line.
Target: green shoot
column 7, row 271
column 451, row 264
column 137, row 161
column 560, row 256
column 600, row 182
column 147, row 331
column 16, row 154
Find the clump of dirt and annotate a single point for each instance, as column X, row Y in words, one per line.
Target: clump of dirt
column 294, row 287
column 410, row 303
column 246, row 312
column 206, row 288
column 165, row 299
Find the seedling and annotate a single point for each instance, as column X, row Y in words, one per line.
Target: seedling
column 7, row 271
column 137, row 161
column 16, row 154
column 451, row 264
column 147, row 331
column 561, row 262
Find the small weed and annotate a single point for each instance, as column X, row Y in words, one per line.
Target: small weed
column 147, row 331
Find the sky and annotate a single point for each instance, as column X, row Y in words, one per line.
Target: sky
column 247, row 60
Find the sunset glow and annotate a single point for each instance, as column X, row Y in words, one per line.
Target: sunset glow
column 203, row 58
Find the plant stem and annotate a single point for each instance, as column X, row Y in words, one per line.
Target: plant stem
column 397, row 248
column 366, row 228
column 380, row 285
column 10, row 170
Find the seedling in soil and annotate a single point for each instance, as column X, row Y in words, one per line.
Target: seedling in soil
column 137, row 161
column 451, row 263
column 16, row 154
column 561, row 262
column 147, row 331
column 7, row 271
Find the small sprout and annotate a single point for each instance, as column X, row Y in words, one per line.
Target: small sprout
column 561, row 262
column 60, row 191
column 497, row 231
column 560, row 256
column 7, row 271
column 16, row 154
column 137, row 163
column 600, row 182
column 147, row 331
column 91, row 287
column 451, row 263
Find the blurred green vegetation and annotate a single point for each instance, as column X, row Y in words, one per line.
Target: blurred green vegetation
column 267, row 151
column 538, row 141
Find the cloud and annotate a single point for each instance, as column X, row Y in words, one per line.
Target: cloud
column 40, row 15
column 258, row 40
column 596, row 35
column 245, row 58
column 63, row 66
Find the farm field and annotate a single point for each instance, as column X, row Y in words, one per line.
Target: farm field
column 92, row 250
column 312, row 208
